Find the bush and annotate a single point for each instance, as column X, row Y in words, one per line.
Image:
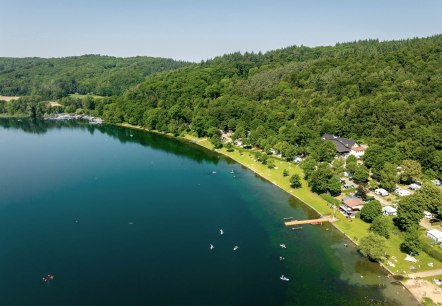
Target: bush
column 285, row 173
column 330, row 199
column 431, row 251
column 229, row 147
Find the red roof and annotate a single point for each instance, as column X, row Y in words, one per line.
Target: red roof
column 353, row 202
column 357, row 149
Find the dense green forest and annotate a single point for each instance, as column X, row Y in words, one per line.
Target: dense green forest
column 384, row 94
column 89, row 74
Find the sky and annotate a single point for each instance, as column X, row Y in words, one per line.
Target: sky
column 195, row 30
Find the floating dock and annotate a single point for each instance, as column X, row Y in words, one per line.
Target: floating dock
column 313, row 221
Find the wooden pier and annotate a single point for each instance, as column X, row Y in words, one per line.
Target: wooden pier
column 313, row 221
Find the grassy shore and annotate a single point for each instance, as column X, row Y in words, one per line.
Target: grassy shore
column 354, row 229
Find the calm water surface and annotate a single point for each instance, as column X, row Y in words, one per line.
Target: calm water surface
column 123, row 217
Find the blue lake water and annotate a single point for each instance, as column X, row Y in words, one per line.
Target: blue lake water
column 123, row 217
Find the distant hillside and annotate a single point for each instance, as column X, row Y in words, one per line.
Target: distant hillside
column 383, row 93
column 89, row 74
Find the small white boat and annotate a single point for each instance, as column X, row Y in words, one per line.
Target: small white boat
column 232, row 172
column 236, row 248
column 282, row 245
column 221, row 232
column 211, row 247
column 281, row 258
column 213, row 172
column 284, row 278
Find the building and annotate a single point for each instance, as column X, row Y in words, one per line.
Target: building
column 435, row 234
column 389, row 211
column 381, row 191
column 345, row 147
column 402, row 192
column 358, row 151
column 351, row 205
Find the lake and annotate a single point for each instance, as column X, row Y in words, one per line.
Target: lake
column 124, row 217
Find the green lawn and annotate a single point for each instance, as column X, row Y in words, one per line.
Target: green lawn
column 78, row 96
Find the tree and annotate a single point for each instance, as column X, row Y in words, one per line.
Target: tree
column 361, row 174
column 216, row 141
column 412, row 243
column 295, row 181
column 410, row 212
column 323, row 180
column 388, row 176
column 309, row 165
column 373, row 246
column 370, row 211
column 382, row 226
column 229, row 147
column 351, row 164
column 429, row 198
column 285, row 173
column 326, row 151
column 270, row 164
column 338, row 166
column 411, row 171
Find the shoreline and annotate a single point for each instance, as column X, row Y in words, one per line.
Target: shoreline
column 417, row 294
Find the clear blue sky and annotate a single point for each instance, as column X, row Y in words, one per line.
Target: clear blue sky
column 201, row 29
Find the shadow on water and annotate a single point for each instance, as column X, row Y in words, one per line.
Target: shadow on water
column 157, row 142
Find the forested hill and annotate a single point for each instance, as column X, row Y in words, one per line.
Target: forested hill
column 387, row 94
column 89, row 74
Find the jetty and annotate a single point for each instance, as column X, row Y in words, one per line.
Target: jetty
column 312, row 221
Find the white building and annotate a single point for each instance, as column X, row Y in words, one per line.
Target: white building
column 402, row 192
column 435, row 234
column 389, row 211
column 381, row 191
column 358, row 151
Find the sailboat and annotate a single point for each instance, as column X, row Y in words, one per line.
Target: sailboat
column 221, row 232
column 236, row 248
column 211, row 247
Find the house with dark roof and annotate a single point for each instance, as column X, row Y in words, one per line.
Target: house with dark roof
column 344, row 146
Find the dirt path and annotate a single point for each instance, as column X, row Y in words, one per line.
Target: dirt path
column 426, row 273
column 421, row 289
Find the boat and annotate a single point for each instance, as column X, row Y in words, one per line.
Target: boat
column 50, row 276
column 44, row 279
column 297, row 228
column 282, row 245
column 213, row 172
column 281, row 258
column 236, row 248
column 288, row 218
column 284, row 278
column 221, row 232
column 233, row 172
column 211, row 246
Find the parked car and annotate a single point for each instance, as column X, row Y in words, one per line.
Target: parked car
column 435, row 220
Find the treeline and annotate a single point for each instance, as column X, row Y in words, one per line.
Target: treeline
column 384, row 94
column 54, row 78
